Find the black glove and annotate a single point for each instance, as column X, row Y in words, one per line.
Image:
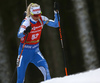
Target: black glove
column 56, row 6
column 28, row 29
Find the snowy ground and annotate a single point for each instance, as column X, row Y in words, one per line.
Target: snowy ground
column 92, row 76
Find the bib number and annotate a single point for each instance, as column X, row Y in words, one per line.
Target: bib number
column 34, row 36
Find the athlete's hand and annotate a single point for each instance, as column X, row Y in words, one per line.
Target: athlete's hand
column 28, row 29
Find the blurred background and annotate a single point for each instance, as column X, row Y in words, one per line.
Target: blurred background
column 80, row 23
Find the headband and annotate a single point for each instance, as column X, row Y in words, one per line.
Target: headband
column 35, row 10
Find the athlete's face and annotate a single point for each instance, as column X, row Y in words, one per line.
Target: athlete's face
column 36, row 17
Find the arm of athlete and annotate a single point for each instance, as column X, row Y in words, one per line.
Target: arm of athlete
column 51, row 23
column 24, row 26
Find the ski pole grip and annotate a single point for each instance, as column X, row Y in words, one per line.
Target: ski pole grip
column 56, row 6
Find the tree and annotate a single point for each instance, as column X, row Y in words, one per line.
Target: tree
column 5, row 70
column 85, row 34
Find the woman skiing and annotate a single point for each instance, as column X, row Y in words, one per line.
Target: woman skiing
column 29, row 34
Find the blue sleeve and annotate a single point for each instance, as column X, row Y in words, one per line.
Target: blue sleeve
column 54, row 23
column 44, row 22
column 20, row 35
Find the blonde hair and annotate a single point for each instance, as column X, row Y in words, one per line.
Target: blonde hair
column 28, row 8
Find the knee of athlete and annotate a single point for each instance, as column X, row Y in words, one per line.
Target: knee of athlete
column 46, row 68
column 45, row 72
column 45, row 65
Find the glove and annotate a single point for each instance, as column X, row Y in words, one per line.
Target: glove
column 28, row 29
column 56, row 6
column 55, row 12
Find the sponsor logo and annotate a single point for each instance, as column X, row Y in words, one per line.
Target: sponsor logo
column 19, row 60
column 34, row 28
column 35, row 31
column 36, row 10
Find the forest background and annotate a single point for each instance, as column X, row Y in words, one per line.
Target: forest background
column 80, row 23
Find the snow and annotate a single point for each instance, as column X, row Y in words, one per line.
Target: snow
column 92, row 76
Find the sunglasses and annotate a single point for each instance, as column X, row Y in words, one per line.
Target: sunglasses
column 36, row 15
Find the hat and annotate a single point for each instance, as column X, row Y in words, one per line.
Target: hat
column 35, row 10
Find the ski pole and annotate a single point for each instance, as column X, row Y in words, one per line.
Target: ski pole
column 62, row 45
column 22, row 48
column 56, row 7
column 19, row 60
